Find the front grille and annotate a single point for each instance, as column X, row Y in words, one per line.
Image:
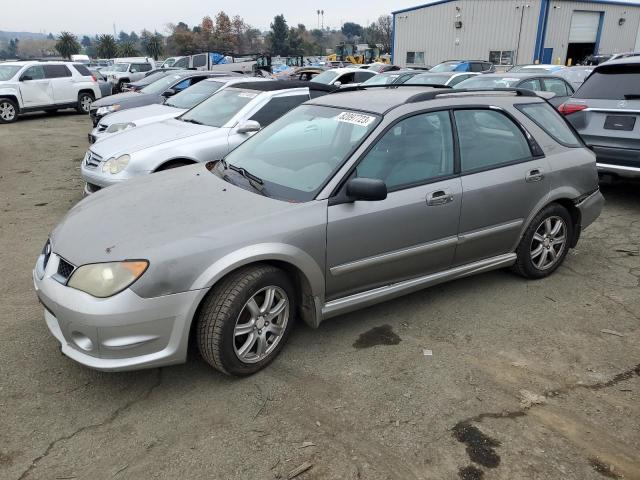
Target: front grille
column 65, row 269
column 92, row 160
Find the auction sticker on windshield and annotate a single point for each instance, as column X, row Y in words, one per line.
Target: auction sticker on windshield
column 355, row 118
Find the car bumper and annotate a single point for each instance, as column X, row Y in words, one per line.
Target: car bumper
column 96, row 179
column 123, row 332
column 624, row 162
column 590, row 209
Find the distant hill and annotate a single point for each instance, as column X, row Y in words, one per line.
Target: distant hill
column 21, row 35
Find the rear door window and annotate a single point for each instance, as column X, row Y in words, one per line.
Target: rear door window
column 557, row 86
column 276, row 107
column 549, row 120
column 488, row 139
column 199, row 60
column 531, row 84
column 363, row 76
column 476, row 67
column 56, row 71
column 619, row 82
column 82, row 70
column 144, row 67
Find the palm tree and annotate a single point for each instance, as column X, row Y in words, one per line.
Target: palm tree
column 127, row 49
column 106, row 46
column 153, row 46
column 67, row 45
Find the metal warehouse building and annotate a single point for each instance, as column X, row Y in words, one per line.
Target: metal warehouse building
column 509, row 32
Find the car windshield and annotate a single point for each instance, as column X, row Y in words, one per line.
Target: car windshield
column 428, row 79
column 221, row 107
column 483, row 81
column 120, row 67
column 446, row 67
column 192, row 96
column 383, row 79
column 8, row 71
column 298, row 153
column 161, row 85
column 326, row 77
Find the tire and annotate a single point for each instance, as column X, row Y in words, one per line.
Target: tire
column 119, row 86
column 542, row 250
column 170, row 165
column 8, row 111
column 51, row 111
column 228, row 348
column 85, row 99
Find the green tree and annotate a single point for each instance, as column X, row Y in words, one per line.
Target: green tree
column 385, row 32
column 85, row 42
column 154, row 46
column 106, row 46
column 123, row 37
column 224, row 34
column 12, row 50
column 127, row 49
column 133, row 37
column 67, row 45
column 50, row 36
column 278, row 36
column 294, row 42
column 351, row 29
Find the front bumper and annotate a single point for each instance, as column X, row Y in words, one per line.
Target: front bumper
column 97, row 179
column 123, row 332
column 590, row 209
column 624, row 162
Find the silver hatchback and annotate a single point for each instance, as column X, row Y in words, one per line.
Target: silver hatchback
column 348, row 200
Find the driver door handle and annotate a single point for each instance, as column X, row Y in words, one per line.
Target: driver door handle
column 439, row 197
column 534, row 175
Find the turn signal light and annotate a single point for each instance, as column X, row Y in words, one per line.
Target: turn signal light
column 569, row 108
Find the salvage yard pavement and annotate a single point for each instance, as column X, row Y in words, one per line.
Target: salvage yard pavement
column 527, row 379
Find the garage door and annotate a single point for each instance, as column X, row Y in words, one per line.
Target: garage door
column 584, row 27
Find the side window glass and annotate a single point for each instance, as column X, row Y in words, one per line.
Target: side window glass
column 556, row 86
column 134, row 68
column 363, row 76
column 458, row 79
column 199, row 60
column 532, row 84
column 476, row 67
column 276, row 107
column 182, row 85
column 182, row 63
column 415, row 150
column 488, row 139
column 56, row 71
column 145, row 67
column 548, row 119
column 346, row 79
column 36, row 72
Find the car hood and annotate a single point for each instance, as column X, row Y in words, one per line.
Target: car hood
column 163, row 217
column 157, row 111
column 126, row 100
column 145, row 136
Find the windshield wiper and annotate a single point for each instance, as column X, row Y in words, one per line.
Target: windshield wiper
column 632, row 96
column 256, row 182
column 191, row 120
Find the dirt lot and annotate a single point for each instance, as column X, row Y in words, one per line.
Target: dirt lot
column 522, row 383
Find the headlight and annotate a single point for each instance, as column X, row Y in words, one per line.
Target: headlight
column 109, row 109
column 106, row 279
column 116, row 165
column 117, row 127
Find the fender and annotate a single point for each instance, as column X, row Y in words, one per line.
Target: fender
column 264, row 252
column 8, row 91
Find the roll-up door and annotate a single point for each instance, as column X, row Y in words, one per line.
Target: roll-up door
column 584, row 27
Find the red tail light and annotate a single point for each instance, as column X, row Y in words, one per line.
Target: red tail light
column 569, row 108
column 93, row 77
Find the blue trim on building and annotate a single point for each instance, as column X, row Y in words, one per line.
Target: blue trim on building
column 538, row 50
column 393, row 38
column 599, row 34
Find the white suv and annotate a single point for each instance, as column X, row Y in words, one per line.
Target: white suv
column 48, row 86
column 127, row 70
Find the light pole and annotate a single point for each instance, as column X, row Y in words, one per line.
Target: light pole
column 322, row 13
column 318, row 12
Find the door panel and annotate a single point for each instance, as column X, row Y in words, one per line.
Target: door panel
column 36, row 92
column 370, row 244
column 62, row 83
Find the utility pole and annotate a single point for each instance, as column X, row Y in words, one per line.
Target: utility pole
column 318, row 12
column 322, row 13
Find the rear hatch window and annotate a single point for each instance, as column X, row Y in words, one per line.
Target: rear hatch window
column 619, row 82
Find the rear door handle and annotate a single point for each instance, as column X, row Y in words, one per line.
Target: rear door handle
column 534, row 175
column 439, row 197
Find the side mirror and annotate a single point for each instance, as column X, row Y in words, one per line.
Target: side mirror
column 337, row 84
column 24, row 78
column 367, row 189
column 169, row 93
column 249, row 126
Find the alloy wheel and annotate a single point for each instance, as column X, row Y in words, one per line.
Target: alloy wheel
column 7, row 111
column 85, row 103
column 261, row 324
column 548, row 243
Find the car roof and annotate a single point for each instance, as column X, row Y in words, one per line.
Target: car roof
column 275, row 85
column 521, row 75
column 23, row 63
column 441, row 74
column 342, row 70
column 619, row 61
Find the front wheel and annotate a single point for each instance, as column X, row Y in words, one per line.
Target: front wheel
column 545, row 244
column 85, row 100
column 246, row 319
column 8, row 111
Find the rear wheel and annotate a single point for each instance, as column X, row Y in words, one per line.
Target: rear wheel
column 85, row 99
column 545, row 244
column 8, row 111
column 246, row 319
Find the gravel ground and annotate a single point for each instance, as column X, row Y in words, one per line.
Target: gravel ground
column 522, row 382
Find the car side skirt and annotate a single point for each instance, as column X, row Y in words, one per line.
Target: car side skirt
column 394, row 290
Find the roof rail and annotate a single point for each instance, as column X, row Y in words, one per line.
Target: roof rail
column 354, row 88
column 421, row 97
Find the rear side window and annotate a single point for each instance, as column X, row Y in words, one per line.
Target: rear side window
column 531, row 84
column 144, row 67
column 549, row 120
column 82, row 70
column 199, row 60
column 489, row 139
column 476, row 67
column 612, row 83
column 56, row 71
column 276, row 107
column 363, row 76
column 557, row 86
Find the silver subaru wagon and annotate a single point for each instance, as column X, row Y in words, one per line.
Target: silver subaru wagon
column 348, row 200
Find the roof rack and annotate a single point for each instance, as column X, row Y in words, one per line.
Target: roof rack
column 421, row 97
column 353, row 88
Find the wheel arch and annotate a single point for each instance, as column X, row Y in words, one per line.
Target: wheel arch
column 166, row 163
column 11, row 96
column 87, row 90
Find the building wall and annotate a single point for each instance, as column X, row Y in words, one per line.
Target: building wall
column 613, row 38
column 486, row 25
column 496, row 25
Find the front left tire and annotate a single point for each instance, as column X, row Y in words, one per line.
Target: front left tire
column 246, row 319
column 85, row 99
column 8, row 111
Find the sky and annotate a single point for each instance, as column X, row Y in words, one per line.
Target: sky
column 98, row 16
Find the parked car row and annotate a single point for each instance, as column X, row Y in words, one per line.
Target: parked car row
column 304, row 200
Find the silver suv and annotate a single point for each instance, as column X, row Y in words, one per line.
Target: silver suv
column 348, row 200
column 606, row 113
